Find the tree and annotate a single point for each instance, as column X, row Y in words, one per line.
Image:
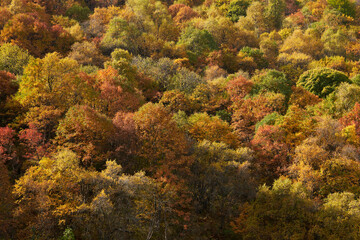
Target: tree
column 211, row 97
column 78, row 12
column 283, row 211
column 273, row 81
column 321, row 81
column 220, row 183
column 58, row 194
column 275, row 12
column 352, row 118
column 53, row 81
column 303, row 98
column 308, row 43
column 175, row 100
column 245, row 116
column 271, row 153
column 121, row 61
column 88, row 133
column 340, row 174
column 297, row 124
column 236, row 9
column 35, row 35
column 345, row 96
column 197, row 42
column 161, row 140
column 117, row 92
column 7, row 89
column 202, row 126
column 121, row 34
column 5, row 16
column 343, row 6
column 86, row 53
column 338, row 217
column 13, row 59
column 181, row 13
column 185, row 80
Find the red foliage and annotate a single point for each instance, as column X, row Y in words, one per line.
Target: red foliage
column 36, row 35
column 352, row 118
column 271, row 152
column 175, row 8
column 291, row 6
column 7, row 145
column 5, row 15
column 125, row 140
column 246, row 115
column 238, row 88
column 115, row 96
column 34, row 143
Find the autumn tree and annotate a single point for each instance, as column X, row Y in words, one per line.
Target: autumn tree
column 271, row 153
column 86, row 53
column 161, row 140
column 88, row 133
column 97, row 205
column 46, row 38
column 53, row 81
column 117, row 92
column 338, row 217
column 202, row 126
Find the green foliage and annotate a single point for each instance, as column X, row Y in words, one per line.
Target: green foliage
column 185, row 80
column 275, row 12
column 120, row 34
column 121, row 61
column 78, row 12
column 356, row 79
column 343, row 99
column 284, row 211
column 236, row 9
column 13, row 59
column 197, row 42
column 270, row 119
column 68, row 234
column 343, row 6
column 322, row 81
column 338, row 217
column 161, row 70
column 273, row 81
column 257, row 55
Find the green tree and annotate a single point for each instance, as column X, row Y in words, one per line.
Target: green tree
column 339, row 217
column 283, row 211
column 343, row 6
column 275, row 12
column 53, row 80
column 236, row 9
column 197, row 42
column 13, row 59
column 321, row 81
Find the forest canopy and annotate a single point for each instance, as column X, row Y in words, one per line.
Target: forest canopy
column 186, row 119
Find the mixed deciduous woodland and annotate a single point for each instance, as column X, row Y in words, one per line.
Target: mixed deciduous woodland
column 185, row 119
